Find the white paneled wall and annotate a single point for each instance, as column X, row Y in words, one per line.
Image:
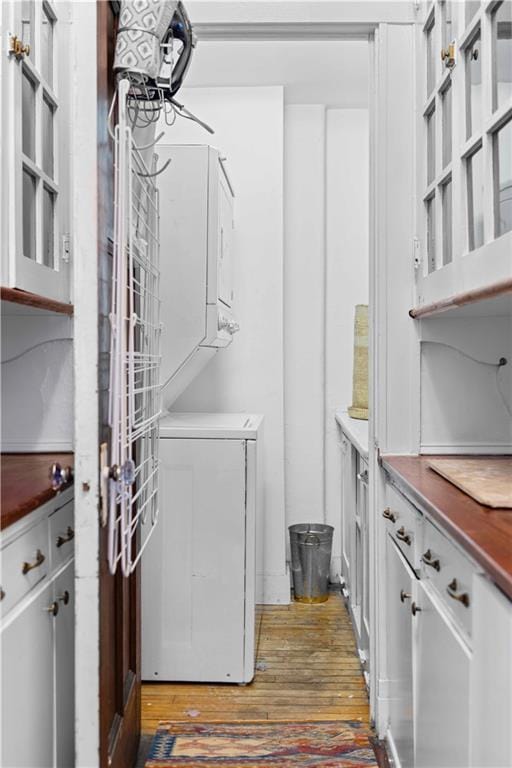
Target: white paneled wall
column 304, row 301
column 37, row 381
column 346, row 280
column 248, row 376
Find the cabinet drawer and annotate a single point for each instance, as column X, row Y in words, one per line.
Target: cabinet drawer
column 62, row 535
column 25, row 563
column 404, row 525
column 449, row 572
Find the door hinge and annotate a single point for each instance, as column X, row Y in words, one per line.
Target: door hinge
column 416, row 252
column 65, row 249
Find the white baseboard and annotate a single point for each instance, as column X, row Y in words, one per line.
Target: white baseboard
column 273, row 588
column 335, row 571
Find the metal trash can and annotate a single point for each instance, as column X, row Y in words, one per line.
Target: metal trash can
column 311, row 546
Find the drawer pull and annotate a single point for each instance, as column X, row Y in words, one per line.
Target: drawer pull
column 462, row 597
column 53, row 608
column 70, row 534
column 428, row 560
column 389, row 515
column 415, row 609
column 403, row 536
column 64, row 598
column 40, row 558
column 404, row 596
column 2, row 593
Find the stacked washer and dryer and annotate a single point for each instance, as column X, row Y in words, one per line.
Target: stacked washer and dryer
column 199, row 569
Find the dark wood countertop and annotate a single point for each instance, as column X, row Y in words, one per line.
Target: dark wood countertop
column 26, row 483
column 485, row 533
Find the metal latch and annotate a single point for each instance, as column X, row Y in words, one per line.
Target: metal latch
column 17, row 47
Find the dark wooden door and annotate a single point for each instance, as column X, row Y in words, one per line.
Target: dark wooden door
column 119, row 597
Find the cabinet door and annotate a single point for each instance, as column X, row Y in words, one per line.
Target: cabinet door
column 27, row 686
column 348, row 511
column 442, row 690
column 64, row 595
column 399, row 590
column 363, row 555
column 36, row 161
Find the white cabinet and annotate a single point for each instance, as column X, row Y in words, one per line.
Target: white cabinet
column 37, row 639
column 442, row 688
column 399, row 595
column 199, row 569
column 27, row 685
column 491, row 677
column 64, row 596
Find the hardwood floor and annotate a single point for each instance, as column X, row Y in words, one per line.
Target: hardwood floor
column 307, row 669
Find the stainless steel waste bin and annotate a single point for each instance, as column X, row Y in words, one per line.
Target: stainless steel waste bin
column 311, row 545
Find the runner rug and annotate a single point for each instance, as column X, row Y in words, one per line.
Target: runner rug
column 342, row 744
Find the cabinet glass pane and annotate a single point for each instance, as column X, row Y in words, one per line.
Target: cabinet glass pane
column 474, row 87
column 28, row 117
column 447, row 223
column 431, row 58
column 431, row 146
column 47, row 117
column 27, row 25
column 447, row 126
column 471, row 7
column 502, row 87
column 29, row 215
column 46, row 47
column 431, row 234
column 475, row 177
column 503, row 179
column 48, row 227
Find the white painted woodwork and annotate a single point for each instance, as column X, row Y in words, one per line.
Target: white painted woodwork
column 197, row 261
column 491, row 677
column 399, row 583
column 197, row 603
column 441, row 707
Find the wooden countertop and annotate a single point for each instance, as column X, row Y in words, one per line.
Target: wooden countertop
column 485, row 533
column 26, row 483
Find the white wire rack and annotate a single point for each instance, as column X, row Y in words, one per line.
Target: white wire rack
column 134, row 401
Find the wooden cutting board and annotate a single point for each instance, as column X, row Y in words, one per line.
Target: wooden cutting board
column 488, row 480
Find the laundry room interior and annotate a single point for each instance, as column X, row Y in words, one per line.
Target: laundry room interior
column 256, row 384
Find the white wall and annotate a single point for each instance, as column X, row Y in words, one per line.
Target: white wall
column 304, row 267
column 346, row 280
column 474, row 417
column 248, row 376
column 37, row 386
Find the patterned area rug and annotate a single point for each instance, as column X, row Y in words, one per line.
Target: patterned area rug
column 262, row 745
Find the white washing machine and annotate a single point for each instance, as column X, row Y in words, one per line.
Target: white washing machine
column 199, row 569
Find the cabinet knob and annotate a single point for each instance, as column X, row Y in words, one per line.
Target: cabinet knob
column 18, row 48
column 64, row 598
column 26, row 567
column 70, row 534
column 462, row 597
column 389, row 515
column 403, row 536
column 53, row 608
column 415, row 609
column 60, row 476
column 429, row 560
column 404, row 596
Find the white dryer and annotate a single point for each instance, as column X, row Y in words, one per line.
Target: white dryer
column 199, row 570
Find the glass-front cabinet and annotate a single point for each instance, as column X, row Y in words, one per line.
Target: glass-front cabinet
column 464, row 212
column 35, row 232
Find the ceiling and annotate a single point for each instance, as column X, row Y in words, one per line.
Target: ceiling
column 330, row 72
